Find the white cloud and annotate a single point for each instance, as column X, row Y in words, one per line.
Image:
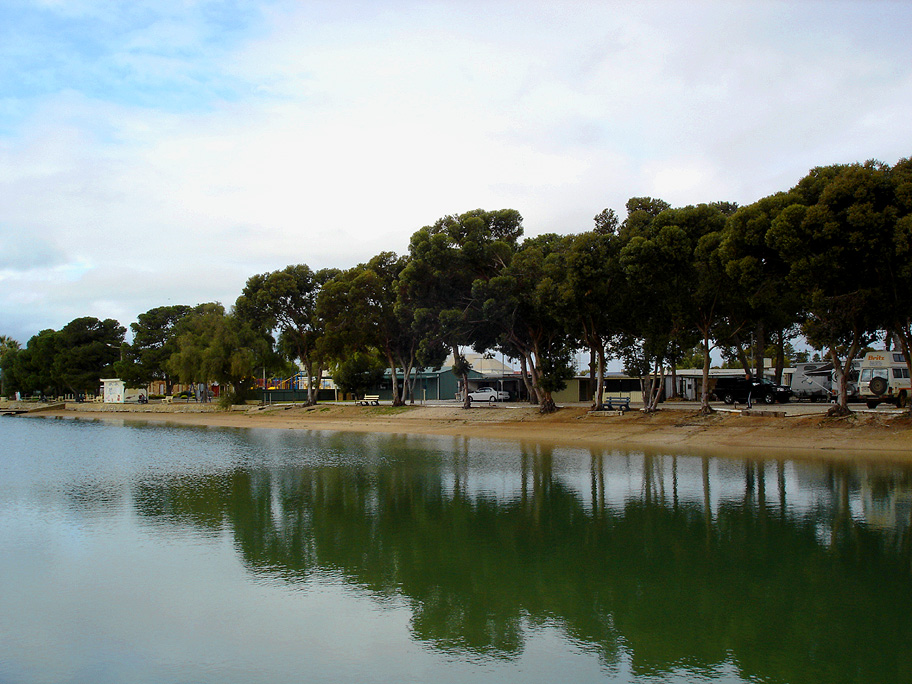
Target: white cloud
column 335, row 130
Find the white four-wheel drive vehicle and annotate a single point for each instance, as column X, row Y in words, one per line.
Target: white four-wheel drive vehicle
column 884, row 378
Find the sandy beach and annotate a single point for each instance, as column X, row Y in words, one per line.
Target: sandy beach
column 863, row 436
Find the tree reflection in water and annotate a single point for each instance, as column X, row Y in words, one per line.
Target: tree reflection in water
column 794, row 573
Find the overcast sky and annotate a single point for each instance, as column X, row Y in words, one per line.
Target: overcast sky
column 160, row 152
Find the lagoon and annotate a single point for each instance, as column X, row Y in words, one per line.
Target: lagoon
column 155, row 553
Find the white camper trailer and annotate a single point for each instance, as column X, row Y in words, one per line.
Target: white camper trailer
column 813, row 381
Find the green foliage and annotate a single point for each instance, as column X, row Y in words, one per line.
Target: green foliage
column 833, row 254
column 362, row 310
column 286, row 302
column 72, row 359
column 358, row 373
column 219, row 347
column 9, row 348
column 87, row 350
column 839, row 239
column 154, row 341
column 525, row 307
column 445, row 260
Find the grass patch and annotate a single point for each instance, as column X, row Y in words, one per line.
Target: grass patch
column 387, row 410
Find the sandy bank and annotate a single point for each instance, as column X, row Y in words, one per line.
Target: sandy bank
column 862, row 436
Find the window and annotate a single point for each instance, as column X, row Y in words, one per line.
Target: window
column 900, row 372
column 898, row 358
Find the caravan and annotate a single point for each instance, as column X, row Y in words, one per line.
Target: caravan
column 812, row 381
column 884, row 378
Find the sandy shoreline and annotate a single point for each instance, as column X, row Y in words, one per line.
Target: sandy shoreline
column 859, row 437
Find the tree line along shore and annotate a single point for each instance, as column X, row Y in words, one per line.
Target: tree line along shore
column 829, row 259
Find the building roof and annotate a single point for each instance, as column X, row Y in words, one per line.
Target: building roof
column 486, row 365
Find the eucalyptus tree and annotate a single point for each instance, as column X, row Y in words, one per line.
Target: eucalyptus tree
column 445, row 259
column 286, row 302
column 526, row 309
column 834, row 239
column 676, row 285
column 897, row 264
column 362, row 311
column 215, row 346
column 596, row 288
column 768, row 305
column 154, row 341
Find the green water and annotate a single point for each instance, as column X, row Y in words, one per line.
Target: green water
column 133, row 553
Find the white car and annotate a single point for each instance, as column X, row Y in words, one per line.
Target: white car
column 488, row 394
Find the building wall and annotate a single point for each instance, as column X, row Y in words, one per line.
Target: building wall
column 578, row 390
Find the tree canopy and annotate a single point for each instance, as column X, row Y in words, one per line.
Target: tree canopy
column 830, row 258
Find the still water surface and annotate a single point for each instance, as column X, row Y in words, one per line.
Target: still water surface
column 137, row 553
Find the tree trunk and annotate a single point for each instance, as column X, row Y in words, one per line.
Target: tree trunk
column 524, row 369
column 460, row 363
column 705, row 408
column 759, row 346
column 600, row 384
column 593, row 371
column 408, row 381
column 780, row 355
column 657, row 387
column 841, row 408
column 674, row 378
column 904, row 338
column 742, row 355
column 394, row 379
column 311, row 400
column 318, row 381
column 546, row 403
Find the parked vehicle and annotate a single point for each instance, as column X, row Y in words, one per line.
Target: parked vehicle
column 488, row 394
column 740, row 390
column 884, row 378
column 813, row 381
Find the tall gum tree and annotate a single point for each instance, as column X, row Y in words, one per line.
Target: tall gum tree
column 362, row 311
column 897, row 265
column 595, row 286
column 834, row 239
column 445, row 259
column 768, row 304
column 676, row 282
column 286, row 302
column 526, row 309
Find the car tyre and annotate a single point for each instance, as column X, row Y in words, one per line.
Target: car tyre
column 769, row 398
column 878, row 385
column 492, row 400
column 728, row 398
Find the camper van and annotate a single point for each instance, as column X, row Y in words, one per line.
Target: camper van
column 884, row 378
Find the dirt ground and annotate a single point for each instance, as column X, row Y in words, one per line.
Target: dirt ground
column 860, row 436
